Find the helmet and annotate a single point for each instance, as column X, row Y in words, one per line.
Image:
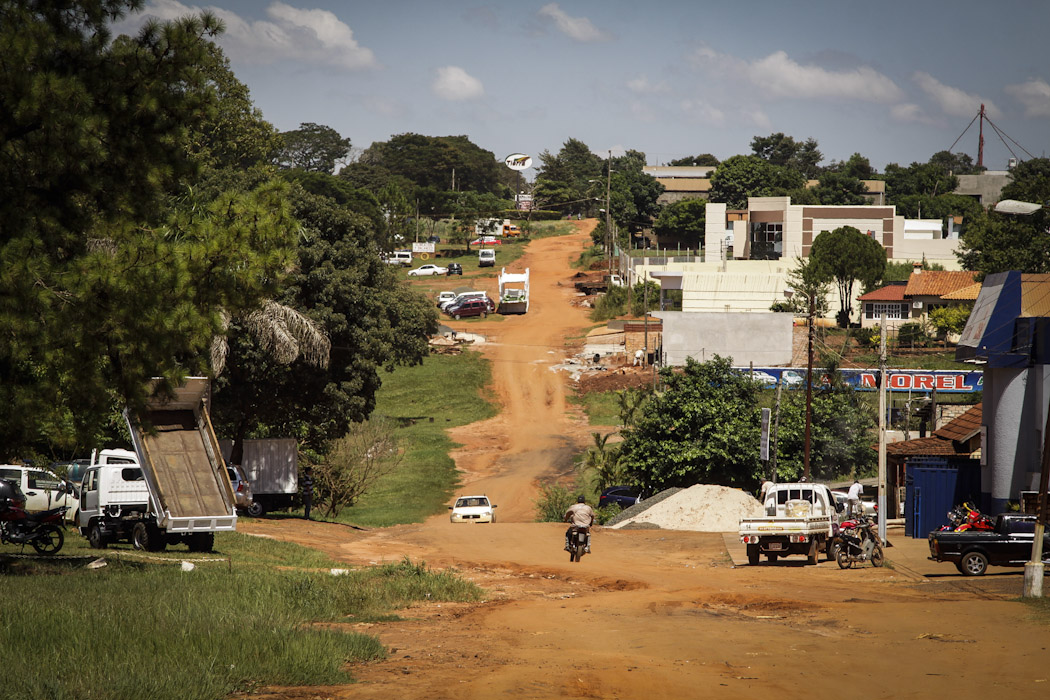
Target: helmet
column 580, row 499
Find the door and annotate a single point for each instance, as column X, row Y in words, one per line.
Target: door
column 89, row 497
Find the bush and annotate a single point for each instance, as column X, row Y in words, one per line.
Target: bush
column 913, row 335
column 554, row 500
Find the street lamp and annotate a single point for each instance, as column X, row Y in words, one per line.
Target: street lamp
column 809, row 376
column 1033, row 570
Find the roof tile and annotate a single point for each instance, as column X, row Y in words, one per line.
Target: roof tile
column 938, row 282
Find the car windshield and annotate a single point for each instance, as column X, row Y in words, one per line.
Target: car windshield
column 472, row 502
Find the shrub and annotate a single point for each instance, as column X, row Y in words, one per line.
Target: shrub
column 913, row 335
column 554, row 500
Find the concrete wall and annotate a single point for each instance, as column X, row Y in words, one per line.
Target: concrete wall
column 985, row 187
column 941, row 250
column 1015, row 405
column 760, row 338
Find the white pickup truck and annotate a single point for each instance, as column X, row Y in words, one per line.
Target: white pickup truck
column 801, row 518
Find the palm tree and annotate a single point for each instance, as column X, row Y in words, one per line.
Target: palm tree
column 604, row 461
column 282, row 331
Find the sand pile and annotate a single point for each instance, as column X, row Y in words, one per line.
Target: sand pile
column 701, row 508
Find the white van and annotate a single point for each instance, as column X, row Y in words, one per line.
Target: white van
column 461, row 297
column 487, row 258
column 399, row 257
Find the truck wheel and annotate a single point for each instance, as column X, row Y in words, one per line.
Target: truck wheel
column 973, row 564
column 49, row 541
column 752, row 554
column 813, row 553
column 201, row 541
column 147, row 538
column 96, row 539
column 256, row 509
column 877, row 558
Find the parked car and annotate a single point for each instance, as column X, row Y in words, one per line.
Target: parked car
column 398, row 257
column 445, row 297
column 43, row 489
column 242, row 490
column 763, row 378
column 486, row 240
column 472, row 509
column 433, row 239
column 622, row 496
column 428, row 269
column 454, row 269
column 843, row 498
column 471, row 307
column 487, row 258
column 461, row 297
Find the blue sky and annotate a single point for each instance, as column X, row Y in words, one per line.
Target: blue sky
column 894, row 81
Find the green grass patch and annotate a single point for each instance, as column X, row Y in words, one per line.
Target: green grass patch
column 601, row 407
column 137, row 628
column 547, row 229
column 444, row 392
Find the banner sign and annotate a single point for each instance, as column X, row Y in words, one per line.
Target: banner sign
column 914, row 380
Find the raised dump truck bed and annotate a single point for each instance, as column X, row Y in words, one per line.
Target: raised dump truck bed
column 190, row 490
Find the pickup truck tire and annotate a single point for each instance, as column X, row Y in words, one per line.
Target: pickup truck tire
column 814, row 553
column 973, row 564
column 752, row 554
column 147, row 538
column 96, row 539
column 201, row 541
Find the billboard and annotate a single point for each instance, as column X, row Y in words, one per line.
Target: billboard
column 907, row 380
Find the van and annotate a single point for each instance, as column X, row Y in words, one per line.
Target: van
column 399, row 257
column 463, row 297
column 487, row 258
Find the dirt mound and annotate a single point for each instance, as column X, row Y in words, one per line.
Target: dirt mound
column 702, row 508
column 616, row 380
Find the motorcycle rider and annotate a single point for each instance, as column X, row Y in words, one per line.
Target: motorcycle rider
column 579, row 515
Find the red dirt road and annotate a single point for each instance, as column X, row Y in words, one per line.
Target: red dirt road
column 652, row 613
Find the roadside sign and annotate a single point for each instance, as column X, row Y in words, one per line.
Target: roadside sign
column 518, row 161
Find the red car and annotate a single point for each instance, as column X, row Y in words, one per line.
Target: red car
column 471, row 307
column 486, row 240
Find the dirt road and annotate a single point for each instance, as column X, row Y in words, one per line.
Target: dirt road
column 656, row 614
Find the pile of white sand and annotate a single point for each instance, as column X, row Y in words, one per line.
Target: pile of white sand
column 701, row 508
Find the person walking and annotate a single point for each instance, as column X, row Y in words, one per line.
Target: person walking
column 307, row 484
column 853, row 497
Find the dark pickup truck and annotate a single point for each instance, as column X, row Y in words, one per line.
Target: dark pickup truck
column 973, row 551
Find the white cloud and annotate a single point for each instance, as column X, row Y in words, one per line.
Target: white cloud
column 909, row 112
column 642, row 86
column 576, row 28
column 779, row 75
column 1034, row 95
column 953, row 101
column 311, row 36
column 454, row 83
column 384, row 106
column 703, row 112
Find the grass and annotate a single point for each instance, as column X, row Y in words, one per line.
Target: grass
column 136, row 628
column 547, row 229
column 601, row 407
column 444, row 392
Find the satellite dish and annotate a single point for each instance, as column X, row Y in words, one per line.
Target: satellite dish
column 518, row 161
column 1013, row 206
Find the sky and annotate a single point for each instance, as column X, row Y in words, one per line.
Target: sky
column 894, row 81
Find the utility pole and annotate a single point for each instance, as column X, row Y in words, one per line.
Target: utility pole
column 608, row 213
column 809, row 386
column 883, row 515
column 1033, row 570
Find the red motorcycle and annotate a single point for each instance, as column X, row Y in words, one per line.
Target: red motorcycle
column 41, row 530
column 974, row 519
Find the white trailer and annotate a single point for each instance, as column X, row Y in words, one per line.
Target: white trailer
column 513, row 292
column 271, row 466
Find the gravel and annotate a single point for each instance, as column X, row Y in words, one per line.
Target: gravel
column 700, row 508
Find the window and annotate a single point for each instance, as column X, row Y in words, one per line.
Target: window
column 42, row 480
column 893, row 310
column 767, row 240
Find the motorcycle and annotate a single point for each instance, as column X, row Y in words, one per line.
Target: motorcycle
column 41, row 530
column 859, row 542
column 579, row 542
column 975, row 519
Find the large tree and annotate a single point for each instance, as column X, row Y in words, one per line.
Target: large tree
column 801, row 156
column 845, row 256
column 740, row 177
column 571, row 180
column 704, row 159
column 702, row 429
column 112, row 269
column 441, row 162
column 994, row 242
column 633, row 193
column 312, row 147
column 683, row 220
column 374, row 322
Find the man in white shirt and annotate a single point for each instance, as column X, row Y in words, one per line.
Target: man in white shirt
column 856, row 508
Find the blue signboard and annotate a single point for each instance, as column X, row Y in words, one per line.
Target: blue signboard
column 908, row 380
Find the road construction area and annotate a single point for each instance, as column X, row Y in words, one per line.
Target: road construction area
column 654, row 613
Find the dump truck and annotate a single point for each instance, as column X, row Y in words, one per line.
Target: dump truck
column 190, row 495
column 513, row 292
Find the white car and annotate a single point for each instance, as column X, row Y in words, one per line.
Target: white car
column 43, row 489
column 428, row 270
column 763, row 378
column 444, row 297
column 472, row 509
